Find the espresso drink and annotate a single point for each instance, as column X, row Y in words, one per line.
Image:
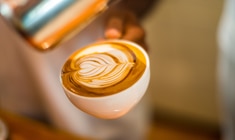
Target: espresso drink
column 103, row 68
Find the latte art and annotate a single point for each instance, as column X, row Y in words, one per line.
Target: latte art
column 103, row 69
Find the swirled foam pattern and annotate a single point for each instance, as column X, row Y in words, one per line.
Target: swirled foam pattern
column 102, row 69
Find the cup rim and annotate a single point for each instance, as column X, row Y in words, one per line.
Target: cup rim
column 108, row 96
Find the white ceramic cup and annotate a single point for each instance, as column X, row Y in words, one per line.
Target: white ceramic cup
column 118, row 104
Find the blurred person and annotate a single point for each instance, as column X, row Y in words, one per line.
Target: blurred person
column 120, row 22
column 226, row 69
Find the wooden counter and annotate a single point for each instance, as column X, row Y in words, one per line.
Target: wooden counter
column 22, row 128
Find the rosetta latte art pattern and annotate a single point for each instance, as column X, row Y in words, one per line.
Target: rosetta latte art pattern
column 103, row 70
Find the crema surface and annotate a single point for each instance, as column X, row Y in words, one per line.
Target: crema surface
column 103, row 68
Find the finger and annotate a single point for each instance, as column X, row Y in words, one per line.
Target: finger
column 136, row 34
column 114, row 27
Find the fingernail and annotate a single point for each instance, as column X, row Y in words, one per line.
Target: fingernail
column 112, row 34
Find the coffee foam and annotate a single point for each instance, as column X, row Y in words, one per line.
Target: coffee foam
column 103, row 69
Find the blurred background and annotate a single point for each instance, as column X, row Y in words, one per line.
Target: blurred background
column 182, row 35
column 183, row 95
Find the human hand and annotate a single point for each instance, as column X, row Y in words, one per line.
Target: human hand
column 123, row 24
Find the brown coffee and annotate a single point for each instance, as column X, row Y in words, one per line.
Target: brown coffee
column 103, row 68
